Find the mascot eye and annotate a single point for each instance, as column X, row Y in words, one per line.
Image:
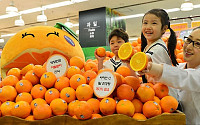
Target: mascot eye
column 54, row 33
column 26, row 34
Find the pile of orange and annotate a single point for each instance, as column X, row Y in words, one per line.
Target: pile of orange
column 32, row 93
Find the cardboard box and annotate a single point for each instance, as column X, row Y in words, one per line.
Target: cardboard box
column 177, row 118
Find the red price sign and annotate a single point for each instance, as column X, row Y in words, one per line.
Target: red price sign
column 104, row 84
column 57, row 64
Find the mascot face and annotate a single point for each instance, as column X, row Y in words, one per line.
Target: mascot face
column 35, row 45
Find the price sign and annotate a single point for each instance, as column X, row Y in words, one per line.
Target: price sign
column 57, row 64
column 104, row 84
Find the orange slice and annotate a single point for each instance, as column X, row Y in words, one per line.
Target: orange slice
column 139, row 61
column 125, row 51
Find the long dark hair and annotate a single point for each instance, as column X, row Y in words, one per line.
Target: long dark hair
column 162, row 14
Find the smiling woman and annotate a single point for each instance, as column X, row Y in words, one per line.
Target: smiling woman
column 35, row 45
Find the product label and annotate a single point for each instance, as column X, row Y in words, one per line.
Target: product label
column 104, row 84
column 57, row 64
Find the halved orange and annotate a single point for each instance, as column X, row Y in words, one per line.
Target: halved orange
column 139, row 61
column 125, row 51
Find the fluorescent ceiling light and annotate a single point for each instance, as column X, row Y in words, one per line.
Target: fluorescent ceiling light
column 37, row 9
column 11, row 8
column 77, row 24
column 8, row 35
column 60, row 4
column 1, row 40
column 187, row 6
column 68, row 23
column 134, row 38
column 172, row 10
column 129, row 16
column 197, row 6
column 42, row 17
column 19, row 22
column 77, row 31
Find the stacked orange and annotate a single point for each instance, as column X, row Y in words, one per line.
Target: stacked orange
column 43, row 96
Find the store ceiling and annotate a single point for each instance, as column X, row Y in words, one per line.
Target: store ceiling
column 126, row 7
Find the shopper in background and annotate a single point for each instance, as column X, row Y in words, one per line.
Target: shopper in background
column 116, row 39
column 154, row 24
column 186, row 77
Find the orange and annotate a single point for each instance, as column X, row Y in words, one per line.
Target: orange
column 168, row 104
column 91, row 83
column 83, row 110
column 139, row 40
column 125, row 107
column 61, row 82
column 133, row 82
column 125, row 51
column 111, row 54
column 10, row 80
column 68, row 94
column 180, row 56
column 42, row 111
column 119, row 79
column 7, row 93
column 26, row 68
column 139, row 61
column 145, row 93
column 165, row 39
column 94, row 104
column 101, row 70
column 77, row 80
column 6, row 108
column 31, row 76
column 134, row 43
column 72, row 71
column 101, row 51
column 51, row 94
column 138, row 105
column 71, row 107
column 37, row 102
column 137, row 48
column 156, row 99
column 161, row 90
column 107, row 106
column 34, row 50
column 151, row 109
column 21, row 109
column 95, row 116
column 38, row 91
column 149, row 84
column 107, row 53
column 124, row 71
column 179, row 60
column 139, row 116
column 39, row 70
column 30, row 118
column 24, row 97
column 125, row 91
column 77, row 61
column 84, row 92
column 23, row 86
column 15, row 72
column 48, row 79
column 58, row 106
column 89, row 75
column 91, row 66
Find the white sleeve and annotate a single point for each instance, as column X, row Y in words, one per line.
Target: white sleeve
column 186, row 79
